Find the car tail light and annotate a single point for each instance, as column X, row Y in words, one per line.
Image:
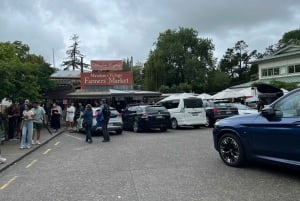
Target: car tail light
column 215, row 110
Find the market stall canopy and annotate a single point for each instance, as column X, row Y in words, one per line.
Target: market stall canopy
column 204, row 96
column 227, row 93
column 178, row 96
column 85, row 94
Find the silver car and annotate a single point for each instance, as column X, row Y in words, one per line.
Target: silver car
column 115, row 122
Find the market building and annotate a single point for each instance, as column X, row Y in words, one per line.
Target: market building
column 107, row 80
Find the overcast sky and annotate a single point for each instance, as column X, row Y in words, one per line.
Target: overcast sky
column 119, row 29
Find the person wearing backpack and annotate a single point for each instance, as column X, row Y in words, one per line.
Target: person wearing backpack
column 104, row 120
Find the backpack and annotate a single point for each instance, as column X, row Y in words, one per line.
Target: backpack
column 106, row 111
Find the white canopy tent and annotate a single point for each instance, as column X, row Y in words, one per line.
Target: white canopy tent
column 178, row 96
column 204, row 96
column 227, row 93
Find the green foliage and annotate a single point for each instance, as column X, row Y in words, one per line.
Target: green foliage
column 218, row 81
column 22, row 75
column 137, row 72
column 284, row 85
column 278, row 84
column 183, row 87
column 235, row 63
column 291, row 37
column 179, row 57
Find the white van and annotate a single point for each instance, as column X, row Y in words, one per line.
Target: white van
column 185, row 109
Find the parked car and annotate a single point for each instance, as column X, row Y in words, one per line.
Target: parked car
column 218, row 109
column 141, row 117
column 272, row 135
column 115, row 122
column 185, row 110
column 244, row 109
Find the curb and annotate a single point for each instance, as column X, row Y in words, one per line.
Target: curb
column 29, row 152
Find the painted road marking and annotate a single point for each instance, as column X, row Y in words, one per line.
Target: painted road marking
column 30, row 164
column 5, row 185
column 46, row 152
column 57, row 143
column 74, row 137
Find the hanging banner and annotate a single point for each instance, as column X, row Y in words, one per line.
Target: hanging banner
column 106, row 78
column 111, row 65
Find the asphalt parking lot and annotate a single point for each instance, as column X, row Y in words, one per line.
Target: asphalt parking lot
column 176, row 165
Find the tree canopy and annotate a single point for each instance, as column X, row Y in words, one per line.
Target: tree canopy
column 235, row 63
column 180, row 56
column 22, row 75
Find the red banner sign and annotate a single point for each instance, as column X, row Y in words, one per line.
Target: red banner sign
column 106, row 78
column 111, row 65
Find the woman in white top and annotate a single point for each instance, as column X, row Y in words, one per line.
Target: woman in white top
column 27, row 128
column 70, row 116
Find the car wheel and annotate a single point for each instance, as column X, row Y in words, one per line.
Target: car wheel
column 136, row 127
column 174, row 124
column 231, row 150
column 119, row 131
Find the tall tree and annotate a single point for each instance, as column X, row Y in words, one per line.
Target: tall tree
column 235, row 62
column 74, row 55
column 180, row 56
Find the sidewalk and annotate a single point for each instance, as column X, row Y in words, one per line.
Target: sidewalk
column 11, row 151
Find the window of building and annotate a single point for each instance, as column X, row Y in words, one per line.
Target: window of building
column 270, row 72
column 291, row 69
column 297, row 68
column 264, row 73
column 282, row 70
column 276, row 71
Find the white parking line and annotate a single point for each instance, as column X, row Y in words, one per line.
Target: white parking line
column 74, row 137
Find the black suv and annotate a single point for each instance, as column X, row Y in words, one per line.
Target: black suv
column 142, row 117
column 219, row 109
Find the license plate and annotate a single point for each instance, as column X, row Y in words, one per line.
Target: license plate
column 228, row 112
column 159, row 117
column 195, row 114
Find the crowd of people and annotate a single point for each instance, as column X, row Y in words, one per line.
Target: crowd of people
column 25, row 121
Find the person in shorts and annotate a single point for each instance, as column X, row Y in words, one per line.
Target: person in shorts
column 70, row 116
column 38, row 122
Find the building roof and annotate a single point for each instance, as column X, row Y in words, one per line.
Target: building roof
column 66, row 74
column 287, row 79
column 288, row 51
column 85, row 94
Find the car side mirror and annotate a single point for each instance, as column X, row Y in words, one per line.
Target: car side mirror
column 268, row 112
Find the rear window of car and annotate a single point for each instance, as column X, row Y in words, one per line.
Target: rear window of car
column 223, row 105
column 193, row 103
column 152, row 109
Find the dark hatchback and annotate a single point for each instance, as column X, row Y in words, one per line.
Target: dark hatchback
column 219, row 109
column 273, row 135
column 142, row 117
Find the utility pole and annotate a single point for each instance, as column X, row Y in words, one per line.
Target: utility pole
column 53, row 57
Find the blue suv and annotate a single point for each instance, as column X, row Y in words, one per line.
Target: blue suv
column 273, row 135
